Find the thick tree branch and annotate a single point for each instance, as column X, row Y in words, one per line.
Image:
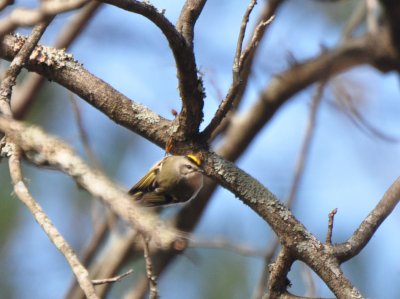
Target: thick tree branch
column 291, row 233
column 189, row 15
column 244, row 128
column 60, row 67
column 189, row 84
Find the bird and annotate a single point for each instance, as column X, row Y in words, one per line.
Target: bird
column 174, row 179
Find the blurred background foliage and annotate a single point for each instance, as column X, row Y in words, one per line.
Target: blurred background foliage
column 349, row 168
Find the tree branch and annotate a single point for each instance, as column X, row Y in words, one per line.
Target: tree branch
column 189, row 84
column 237, row 69
column 16, row 65
column 60, row 67
column 149, row 270
column 112, row 279
column 291, row 233
column 371, row 223
column 42, row 149
column 55, row 237
column 28, row 17
column 189, row 15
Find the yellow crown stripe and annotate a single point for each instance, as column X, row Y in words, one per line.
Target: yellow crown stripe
column 196, row 160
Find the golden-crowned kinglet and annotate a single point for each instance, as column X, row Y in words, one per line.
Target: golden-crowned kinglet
column 174, row 179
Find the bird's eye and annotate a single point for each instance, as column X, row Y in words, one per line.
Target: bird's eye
column 189, row 166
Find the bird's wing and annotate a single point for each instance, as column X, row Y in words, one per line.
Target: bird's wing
column 153, row 199
column 146, row 183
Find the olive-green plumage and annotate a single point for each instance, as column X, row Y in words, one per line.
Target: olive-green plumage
column 174, row 179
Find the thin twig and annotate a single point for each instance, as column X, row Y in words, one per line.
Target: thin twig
column 40, row 216
column 84, row 137
column 369, row 226
column 112, row 256
column 331, row 217
column 372, row 15
column 301, row 162
column 258, row 33
column 112, row 279
column 16, row 65
column 29, row 17
column 149, row 270
column 354, row 21
column 264, row 277
column 346, row 103
column 100, row 233
column 239, row 62
column 241, row 249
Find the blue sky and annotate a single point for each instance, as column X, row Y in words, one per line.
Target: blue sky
column 348, row 168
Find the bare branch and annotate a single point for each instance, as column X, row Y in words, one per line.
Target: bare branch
column 371, row 223
column 243, row 130
column 149, row 270
column 42, row 149
column 16, row 65
column 29, row 17
column 264, row 277
column 300, row 164
column 83, row 135
column 255, row 40
column 330, row 227
column 62, row 68
column 117, row 248
column 189, row 84
column 112, row 279
column 241, row 249
column 369, row 49
column 291, row 233
column 238, row 65
column 189, row 15
column 296, row 181
column 5, row 3
column 40, row 216
column 210, row 132
column 278, row 273
column 242, row 32
column 354, row 21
